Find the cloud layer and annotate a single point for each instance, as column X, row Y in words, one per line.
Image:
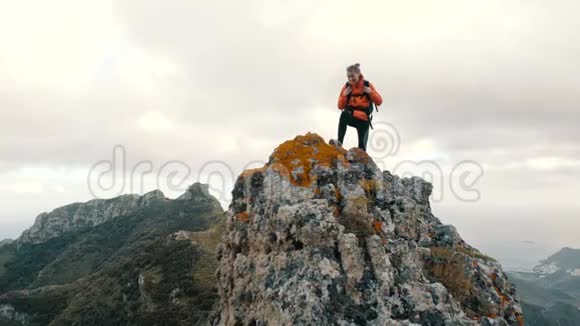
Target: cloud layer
column 492, row 81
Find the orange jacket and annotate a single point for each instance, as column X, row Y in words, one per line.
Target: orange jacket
column 358, row 99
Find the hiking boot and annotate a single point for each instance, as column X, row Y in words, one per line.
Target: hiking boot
column 335, row 143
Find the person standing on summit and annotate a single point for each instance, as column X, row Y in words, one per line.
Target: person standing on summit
column 356, row 100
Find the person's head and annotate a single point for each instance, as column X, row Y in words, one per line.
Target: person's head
column 353, row 73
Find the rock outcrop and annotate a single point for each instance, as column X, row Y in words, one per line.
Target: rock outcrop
column 321, row 236
column 79, row 216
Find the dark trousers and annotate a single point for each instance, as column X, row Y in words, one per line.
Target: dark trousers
column 362, row 128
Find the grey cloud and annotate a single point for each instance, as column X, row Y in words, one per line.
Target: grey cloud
column 235, row 71
column 506, row 78
column 492, row 81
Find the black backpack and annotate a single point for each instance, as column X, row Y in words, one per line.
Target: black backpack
column 372, row 107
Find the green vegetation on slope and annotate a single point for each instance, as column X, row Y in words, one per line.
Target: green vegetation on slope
column 6, row 254
column 560, row 314
column 130, row 270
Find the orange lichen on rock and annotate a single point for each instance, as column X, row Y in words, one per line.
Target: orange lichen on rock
column 378, row 225
column 281, row 169
column 369, row 185
column 243, row 217
column 295, row 158
column 338, row 196
column 520, row 319
column 250, row 172
column 503, row 297
column 300, row 154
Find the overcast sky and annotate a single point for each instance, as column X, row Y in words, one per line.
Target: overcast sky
column 496, row 82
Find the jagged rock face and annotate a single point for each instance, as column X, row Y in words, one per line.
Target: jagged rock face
column 322, row 236
column 83, row 215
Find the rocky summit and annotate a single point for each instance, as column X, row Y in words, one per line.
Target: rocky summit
column 320, row 235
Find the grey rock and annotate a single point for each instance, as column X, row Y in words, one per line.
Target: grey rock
column 321, row 236
column 446, row 235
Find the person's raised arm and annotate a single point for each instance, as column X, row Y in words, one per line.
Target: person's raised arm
column 343, row 96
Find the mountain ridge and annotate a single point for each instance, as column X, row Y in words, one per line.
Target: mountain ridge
column 551, row 292
column 148, row 267
column 80, row 215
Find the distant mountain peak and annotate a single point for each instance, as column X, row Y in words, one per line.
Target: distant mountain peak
column 155, row 194
column 78, row 216
column 551, row 293
column 196, row 190
column 566, row 258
